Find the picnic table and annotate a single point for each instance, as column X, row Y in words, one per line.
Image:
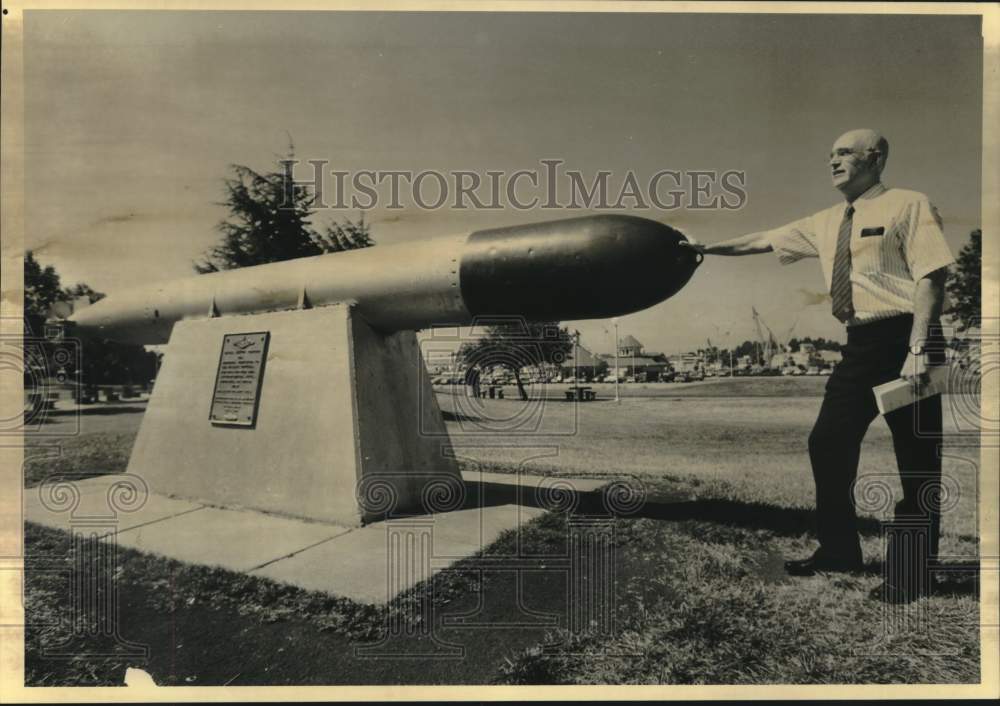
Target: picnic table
column 580, row 393
column 494, row 391
column 38, row 401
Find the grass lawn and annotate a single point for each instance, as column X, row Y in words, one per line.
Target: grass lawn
column 699, row 595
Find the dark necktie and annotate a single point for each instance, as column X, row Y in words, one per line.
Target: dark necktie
column 840, row 282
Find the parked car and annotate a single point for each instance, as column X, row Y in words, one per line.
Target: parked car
column 812, row 370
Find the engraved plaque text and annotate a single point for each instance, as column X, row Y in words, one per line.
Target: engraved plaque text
column 238, row 378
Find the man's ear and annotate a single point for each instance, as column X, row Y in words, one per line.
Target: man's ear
column 878, row 161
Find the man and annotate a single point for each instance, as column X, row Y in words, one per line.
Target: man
column 885, row 261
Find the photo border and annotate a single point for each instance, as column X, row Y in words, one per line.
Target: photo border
column 11, row 456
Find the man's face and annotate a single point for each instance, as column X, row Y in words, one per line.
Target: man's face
column 850, row 163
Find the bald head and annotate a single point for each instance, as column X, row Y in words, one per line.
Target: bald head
column 857, row 160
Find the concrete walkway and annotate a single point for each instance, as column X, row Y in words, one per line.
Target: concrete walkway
column 370, row 564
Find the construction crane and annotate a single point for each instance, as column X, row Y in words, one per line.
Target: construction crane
column 788, row 336
column 768, row 343
column 791, row 330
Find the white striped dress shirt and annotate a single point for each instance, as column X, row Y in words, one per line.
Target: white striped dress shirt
column 896, row 239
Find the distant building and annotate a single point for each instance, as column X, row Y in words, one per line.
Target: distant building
column 806, row 358
column 585, row 364
column 687, row 362
column 803, row 357
column 633, row 361
column 782, row 360
column 830, row 357
column 629, row 346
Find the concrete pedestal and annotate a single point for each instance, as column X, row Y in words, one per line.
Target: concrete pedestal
column 337, row 436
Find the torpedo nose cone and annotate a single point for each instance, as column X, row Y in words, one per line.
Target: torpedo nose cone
column 582, row 268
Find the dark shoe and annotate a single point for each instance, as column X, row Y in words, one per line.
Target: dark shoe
column 821, row 561
column 899, row 594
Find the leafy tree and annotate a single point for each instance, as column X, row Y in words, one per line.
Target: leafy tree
column 84, row 290
column 104, row 362
column 112, row 363
column 965, row 283
column 514, row 344
column 42, row 289
column 746, row 348
column 728, row 358
column 269, row 221
column 820, row 344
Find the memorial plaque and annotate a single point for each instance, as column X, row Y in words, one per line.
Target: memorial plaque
column 238, row 378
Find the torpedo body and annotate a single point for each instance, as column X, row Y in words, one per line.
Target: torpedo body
column 581, row 268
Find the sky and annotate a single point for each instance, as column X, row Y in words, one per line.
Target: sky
column 132, row 119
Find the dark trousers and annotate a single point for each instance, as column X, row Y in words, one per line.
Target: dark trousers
column 874, row 354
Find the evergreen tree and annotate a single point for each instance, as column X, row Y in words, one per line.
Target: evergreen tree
column 345, row 236
column 270, row 221
column 965, row 283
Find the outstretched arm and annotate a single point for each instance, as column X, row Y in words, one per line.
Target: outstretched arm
column 750, row 244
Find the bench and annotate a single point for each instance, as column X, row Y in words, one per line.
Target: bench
column 38, row 402
column 581, row 394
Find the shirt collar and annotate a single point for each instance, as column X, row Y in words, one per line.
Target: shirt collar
column 876, row 189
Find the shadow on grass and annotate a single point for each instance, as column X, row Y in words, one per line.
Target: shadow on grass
column 783, row 521
column 779, row 520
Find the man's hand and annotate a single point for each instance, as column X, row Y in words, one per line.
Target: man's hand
column 693, row 244
column 915, row 370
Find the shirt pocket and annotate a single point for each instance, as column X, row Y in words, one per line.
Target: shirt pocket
column 874, row 246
